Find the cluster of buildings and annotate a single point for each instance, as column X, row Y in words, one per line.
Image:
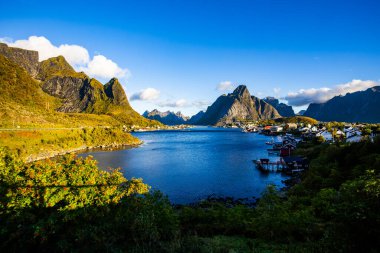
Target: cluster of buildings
column 347, row 132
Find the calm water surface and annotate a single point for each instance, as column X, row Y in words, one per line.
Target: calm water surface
column 191, row 164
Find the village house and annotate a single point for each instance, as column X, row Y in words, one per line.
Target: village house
column 276, row 129
column 291, row 126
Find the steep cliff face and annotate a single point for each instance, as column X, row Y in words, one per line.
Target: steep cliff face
column 196, row 118
column 24, row 58
column 167, row 118
column 115, row 92
column 77, row 94
column 361, row 106
column 283, row 109
column 239, row 105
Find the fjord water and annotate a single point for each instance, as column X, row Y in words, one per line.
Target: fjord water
column 191, row 164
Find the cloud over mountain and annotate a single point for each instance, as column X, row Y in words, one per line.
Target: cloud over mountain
column 225, row 86
column 181, row 103
column 177, row 103
column 77, row 56
column 147, row 94
column 320, row 95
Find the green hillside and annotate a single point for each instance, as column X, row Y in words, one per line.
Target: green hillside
column 60, row 96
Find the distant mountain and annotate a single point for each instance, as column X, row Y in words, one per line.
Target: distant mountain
column 167, row 118
column 196, row 118
column 360, row 106
column 236, row 106
column 302, row 112
column 283, row 109
column 36, row 90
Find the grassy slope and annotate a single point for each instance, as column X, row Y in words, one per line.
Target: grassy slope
column 23, row 104
column 31, row 145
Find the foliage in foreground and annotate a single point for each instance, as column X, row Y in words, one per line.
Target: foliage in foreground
column 72, row 205
column 334, row 208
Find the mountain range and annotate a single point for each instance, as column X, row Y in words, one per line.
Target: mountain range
column 360, row 106
column 167, row 118
column 172, row 118
column 51, row 92
column 283, row 109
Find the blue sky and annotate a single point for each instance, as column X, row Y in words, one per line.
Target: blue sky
column 185, row 49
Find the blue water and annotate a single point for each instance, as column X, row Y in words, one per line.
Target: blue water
column 191, row 164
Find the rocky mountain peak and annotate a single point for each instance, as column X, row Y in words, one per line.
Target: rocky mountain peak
column 236, row 106
column 168, row 117
column 115, row 91
column 283, row 109
column 56, row 66
column 376, row 89
column 241, row 91
column 272, row 100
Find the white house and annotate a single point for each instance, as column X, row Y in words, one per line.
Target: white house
column 276, row 128
column 325, row 134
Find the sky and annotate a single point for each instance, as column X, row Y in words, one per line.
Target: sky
column 182, row 55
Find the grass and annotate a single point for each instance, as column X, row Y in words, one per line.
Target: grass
column 34, row 144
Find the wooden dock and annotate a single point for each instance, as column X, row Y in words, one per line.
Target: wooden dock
column 266, row 166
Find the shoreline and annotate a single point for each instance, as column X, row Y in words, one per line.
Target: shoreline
column 80, row 150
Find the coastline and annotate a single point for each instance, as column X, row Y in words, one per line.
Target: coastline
column 33, row 145
column 80, row 150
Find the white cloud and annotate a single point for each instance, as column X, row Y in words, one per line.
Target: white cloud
column 276, row 91
column 178, row 103
column 305, row 97
column 201, row 104
column 181, row 103
column 74, row 54
column 224, row 86
column 102, row 67
column 146, row 94
column 77, row 56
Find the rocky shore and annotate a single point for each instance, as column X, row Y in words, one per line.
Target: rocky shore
column 82, row 149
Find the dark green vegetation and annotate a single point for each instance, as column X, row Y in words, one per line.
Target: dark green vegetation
column 69, row 205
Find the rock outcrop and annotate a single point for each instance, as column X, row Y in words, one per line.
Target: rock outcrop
column 283, row 109
column 24, row 58
column 360, row 106
column 115, row 92
column 57, row 66
column 239, row 105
